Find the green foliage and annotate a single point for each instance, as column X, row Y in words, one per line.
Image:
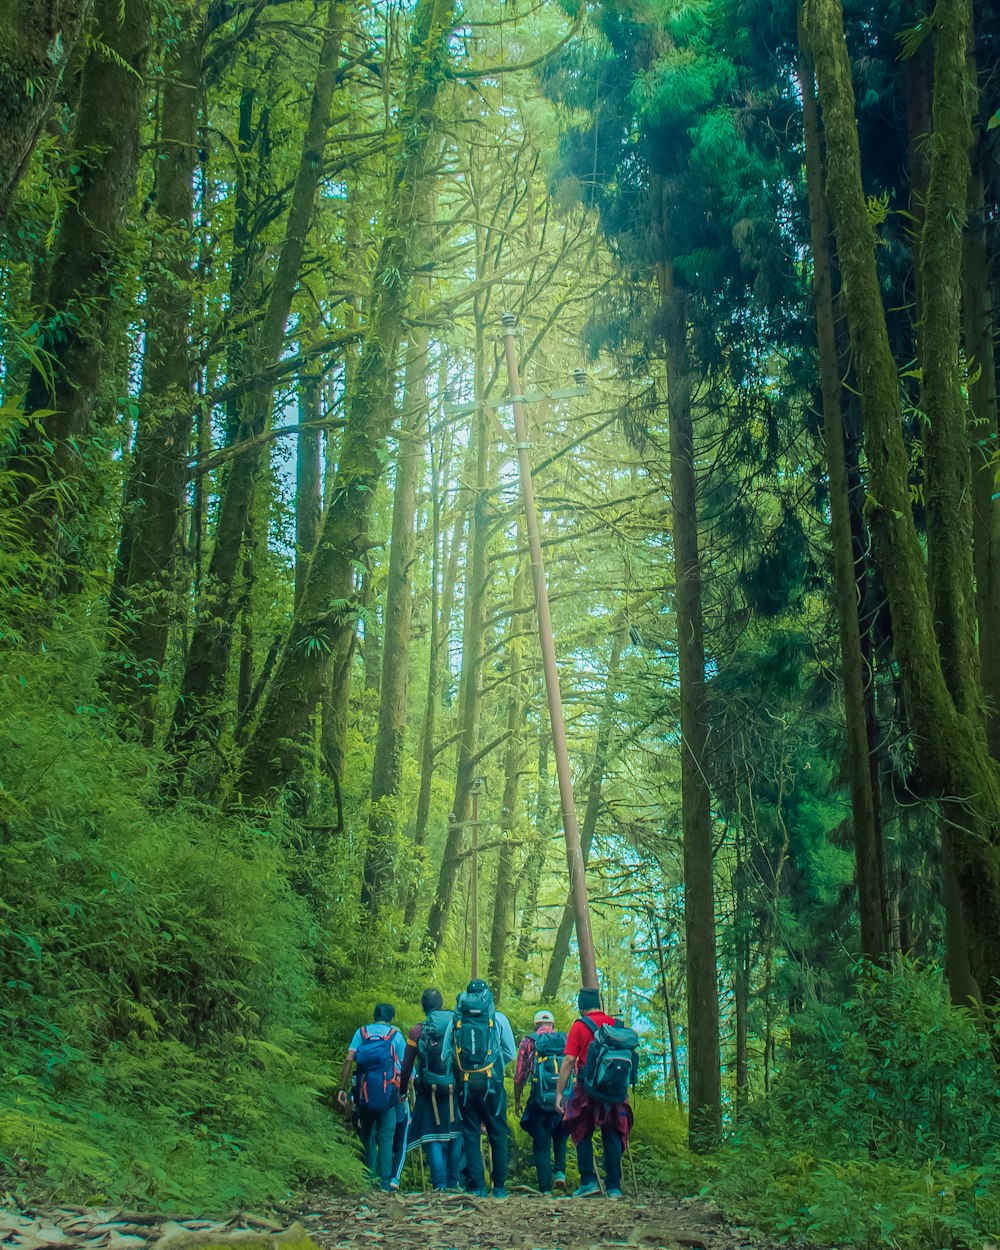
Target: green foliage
column 882, row 1129
column 159, row 1041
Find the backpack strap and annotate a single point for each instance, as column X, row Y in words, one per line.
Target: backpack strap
column 591, row 1024
column 364, row 1032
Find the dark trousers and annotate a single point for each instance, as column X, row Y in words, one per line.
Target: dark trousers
column 549, row 1150
column 377, row 1129
column 444, row 1158
column 612, row 1158
column 485, row 1110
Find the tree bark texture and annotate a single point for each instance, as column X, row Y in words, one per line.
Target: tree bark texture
column 948, row 731
column 592, row 810
column 979, row 332
column 704, row 1079
column 37, row 38
column 198, row 712
column 503, row 897
column 326, row 613
column 85, row 271
column 144, row 593
column 471, row 693
column 308, row 480
column 855, row 674
column 387, row 769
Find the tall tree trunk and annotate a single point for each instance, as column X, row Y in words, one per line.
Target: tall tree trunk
column 705, row 1079
column 84, row 275
column 143, row 596
column 980, row 328
column 503, row 897
column 37, row 38
column 595, row 783
column 387, row 770
column 940, row 685
column 471, row 695
column 440, row 632
column 534, row 866
column 308, row 479
column 326, row 610
column 868, row 836
column 197, row 714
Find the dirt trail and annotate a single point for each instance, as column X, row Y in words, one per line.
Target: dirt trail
column 526, row 1221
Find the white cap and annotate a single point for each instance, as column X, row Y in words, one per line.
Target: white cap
column 544, row 1017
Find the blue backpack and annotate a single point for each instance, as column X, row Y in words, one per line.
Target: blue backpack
column 376, row 1084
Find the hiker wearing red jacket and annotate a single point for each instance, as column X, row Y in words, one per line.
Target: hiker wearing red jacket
column 583, row 1112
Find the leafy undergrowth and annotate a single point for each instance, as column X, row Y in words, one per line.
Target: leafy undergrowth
column 885, row 1129
column 158, row 1039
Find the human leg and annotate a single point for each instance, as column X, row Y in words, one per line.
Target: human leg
column 385, row 1131
column 541, row 1137
column 436, row 1164
column 613, row 1147
column 494, row 1115
column 471, row 1126
column 585, row 1159
column 559, row 1139
column 454, row 1154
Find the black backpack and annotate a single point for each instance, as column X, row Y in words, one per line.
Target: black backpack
column 549, row 1048
column 612, row 1062
column 434, row 1067
column 477, row 1041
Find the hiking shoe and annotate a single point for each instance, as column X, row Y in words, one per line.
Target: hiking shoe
column 615, row 1193
column 559, row 1180
column 393, row 1186
column 500, row 1192
column 479, row 1193
column 590, row 1190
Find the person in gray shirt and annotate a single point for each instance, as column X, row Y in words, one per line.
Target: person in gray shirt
column 482, row 1042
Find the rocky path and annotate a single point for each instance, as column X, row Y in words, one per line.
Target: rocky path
column 526, row 1221
column 404, row 1221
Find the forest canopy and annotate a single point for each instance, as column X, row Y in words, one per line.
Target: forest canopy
column 311, row 313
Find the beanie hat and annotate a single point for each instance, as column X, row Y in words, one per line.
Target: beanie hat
column 478, row 986
column 544, row 1017
column 589, row 999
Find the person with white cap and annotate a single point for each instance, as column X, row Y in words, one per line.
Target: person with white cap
column 539, row 1057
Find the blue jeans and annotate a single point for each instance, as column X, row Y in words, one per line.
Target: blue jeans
column 377, row 1129
column 444, row 1158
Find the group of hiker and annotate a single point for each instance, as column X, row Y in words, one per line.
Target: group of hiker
column 567, row 1087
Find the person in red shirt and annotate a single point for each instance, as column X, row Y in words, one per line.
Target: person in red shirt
column 583, row 1115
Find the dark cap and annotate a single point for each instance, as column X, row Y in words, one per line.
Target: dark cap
column 589, row 999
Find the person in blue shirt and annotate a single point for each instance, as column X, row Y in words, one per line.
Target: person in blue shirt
column 376, row 1092
column 482, row 1041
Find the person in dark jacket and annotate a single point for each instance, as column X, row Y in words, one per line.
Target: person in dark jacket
column 435, row 1123
column 544, row 1125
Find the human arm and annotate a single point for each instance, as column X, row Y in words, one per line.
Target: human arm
column 508, row 1046
column 345, row 1077
column 565, row 1072
column 522, row 1070
column 409, row 1059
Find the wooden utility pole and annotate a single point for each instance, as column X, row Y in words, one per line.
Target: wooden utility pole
column 574, row 851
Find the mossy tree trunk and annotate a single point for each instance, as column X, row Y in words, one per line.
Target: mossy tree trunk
column 144, row 593
column 387, row 769
column 198, row 712
column 327, row 611
column 930, row 606
column 869, row 851
column 84, row 275
column 37, row 39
